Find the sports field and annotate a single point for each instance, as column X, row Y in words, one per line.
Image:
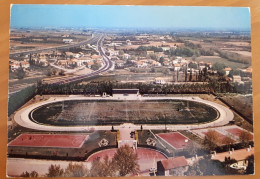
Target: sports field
column 86, row 112
column 175, row 139
column 49, row 140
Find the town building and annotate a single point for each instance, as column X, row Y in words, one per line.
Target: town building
column 227, row 70
column 236, row 79
column 172, row 166
column 159, row 80
column 67, row 40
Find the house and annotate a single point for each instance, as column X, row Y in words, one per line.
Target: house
column 96, row 57
column 249, row 70
column 14, row 66
column 90, row 64
column 128, row 42
column 63, row 63
column 202, row 67
column 236, row 79
column 42, row 62
column 159, row 80
column 209, row 65
column 25, row 65
column 149, row 52
column 177, row 67
column 125, row 93
column 119, row 63
column 67, row 41
column 141, row 64
column 227, row 70
column 172, row 166
column 69, row 54
column 166, row 48
column 126, row 56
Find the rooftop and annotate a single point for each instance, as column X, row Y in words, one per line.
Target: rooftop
column 172, row 163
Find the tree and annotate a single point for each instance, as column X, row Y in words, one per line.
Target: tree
column 152, row 70
column 192, row 65
column 192, row 148
column 95, row 66
column 234, row 72
column 25, row 174
column 49, row 72
column 210, row 167
column 250, row 169
column 190, row 77
column 121, row 52
column 105, row 168
column 55, row 171
column 228, row 161
column 75, row 170
column 245, row 137
column 194, row 170
column 219, row 67
column 228, row 141
column 161, row 60
column 126, row 161
column 211, row 139
column 62, row 73
column 33, row 174
column 20, row 73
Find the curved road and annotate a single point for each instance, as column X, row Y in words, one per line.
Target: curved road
column 22, row 116
column 58, row 47
column 106, row 66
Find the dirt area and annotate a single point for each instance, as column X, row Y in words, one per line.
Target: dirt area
column 244, row 53
column 83, row 72
column 214, row 59
column 152, row 43
column 237, row 43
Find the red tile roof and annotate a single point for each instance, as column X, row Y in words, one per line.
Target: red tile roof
column 172, row 163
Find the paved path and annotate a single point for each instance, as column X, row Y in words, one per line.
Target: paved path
column 16, row 166
column 22, row 116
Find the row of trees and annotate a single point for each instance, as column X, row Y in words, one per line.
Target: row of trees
column 124, row 162
column 213, row 140
column 100, row 87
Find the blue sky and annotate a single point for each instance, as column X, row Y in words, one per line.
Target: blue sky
column 180, row 17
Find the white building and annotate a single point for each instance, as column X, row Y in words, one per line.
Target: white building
column 159, row 81
column 67, row 41
column 236, row 78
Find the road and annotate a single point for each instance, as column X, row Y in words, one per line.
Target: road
column 107, row 64
column 57, row 48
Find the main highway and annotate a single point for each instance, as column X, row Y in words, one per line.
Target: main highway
column 107, row 64
column 89, row 41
